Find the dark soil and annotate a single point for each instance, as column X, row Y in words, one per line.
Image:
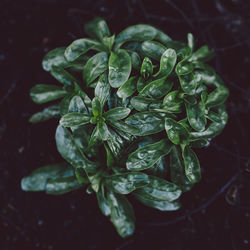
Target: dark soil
column 215, row 214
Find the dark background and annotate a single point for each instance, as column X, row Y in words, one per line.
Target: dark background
column 215, row 214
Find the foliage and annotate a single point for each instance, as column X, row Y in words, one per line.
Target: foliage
column 131, row 109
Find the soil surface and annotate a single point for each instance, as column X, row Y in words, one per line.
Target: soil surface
column 215, row 215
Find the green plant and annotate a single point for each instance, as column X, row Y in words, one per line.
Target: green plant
column 133, row 107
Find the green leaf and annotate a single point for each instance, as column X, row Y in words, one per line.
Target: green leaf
column 217, row 97
column 135, row 60
column 157, row 88
column 159, row 190
column 196, row 116
column 127, row 182
column 119, row 68
column 128, row 88
column 42, row 93
column 103, row 130
column 147, row 123
column 77, row 105
column 46, row 114
column 172, row 102
column 81, row 175
column 116, row 114
column 191, row 42
column 212, row 116
column 96, row 107
column 177, row 172
column 54, row 57
column 102, row 89
column 64, row 104
column 97, row 28
column 108, row 42
column 184, row 67
column 200, row 143
column 74, row 119
column 153, row 49
column 141, row 83
column 80, row 47
column 146, row 68
column 146, row 156
column 188, row 83
column 139, row 32
column 94, row 67
column 38, row 179
column 192, row 165
column 69, row 150
column 94, row 137
column 130, row 129
column 102, row 202
column 122, row 214
column 203, row 54
column 115, row 143
column 62, row 185
column 141, row 103
column 167, row 63
column 176, row 132
column 160, row 205
column 110, row 157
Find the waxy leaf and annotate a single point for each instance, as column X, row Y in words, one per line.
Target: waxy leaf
column 116, row 114
column 127, row 182
column 42, row 93
column 119, row 68
column 128, row 128
column 141, row 103
column 115, row 143
column 103, row 130
column 217, row 97
column 167, row 63
column 147, row 123
column 80, row 47
column 188, row 83
column 157, row 88
column 103, row 203
column 184, row 67
column 146, row 156
column 128, row 88
column 192, row 165
column 102, row 89
column 191, row 42
column 146, row 68
column 122, row 214
column 153, row 49
column 176, row 132
column 77, row 105
column 135, row 60
column 196, row 116
column 74, row 119
column 96, row 107
column 46, row 114
column 203, row 54
column 159, row 190
column 141, row 83
column 94, row 67
column 172, row 103
column 64, row 104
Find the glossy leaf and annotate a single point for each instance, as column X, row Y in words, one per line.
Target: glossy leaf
column 108, row 42
column 127, row 182
column 172, row 103
column 115, row 143
column 176, row 132
column 103, row 130
column 153, row 49
column 102, row 89
column 217, row 97
column 191, row 42
column 188, row 83
column 192, row 165
column 95, row 66
column 77, row 105
column 141, row 103
column 146, row 68
column 128, row 128
column 96, row 107
column 202, row 54
column 184, row 67
column 64, row 104
column 74, row 119
column 141, row 83
column 119, row 68
column 116, row 114
column 81, row 175
column 103, row 203
column 135, row 60
column 147, row 123
column 146, row 156
column 42, row 93
column 128, row 88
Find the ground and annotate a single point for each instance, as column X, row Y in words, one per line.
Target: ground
column 215, row 214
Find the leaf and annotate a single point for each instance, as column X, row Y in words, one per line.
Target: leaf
column 191, row 42
column 62, row 185
column 128, row 88
column 160, row 205
column 192, row 165
column 74, row 119
column 119, row 68
column 184, row 67
column 77, row 105
column 46, row 114
column 217, row 97
column 42, row 93
column 146, row 156
column 108, row 42
column 63, row 76
column 188, row 83
column 176, row 132
column 167, row 63
column 122, row 214
column 54, row 57
column 159, row 190
column 103, row 203
column 146, row 68
column 103, row 130
column 64, row 104
column 115, row 143
column 110, row 160
column 97, row 28
column 196, row 116
column 203, row 54
column 94, row 67
column 96, row 107
column 200, row 143
column 157, row 88
column 130, row 129
column 80, row 47
column 38, row 179
column 135, row 60
column 127, row 182
column 102, row 89
column 116, row 114
column 172, row 102
column 141, row 103
column 153, row 49
column 68, row 149
column 81, row 175
column 141, row 83
column 177, row 172
column 139, row 32
column 147, row 123
column 94, row 137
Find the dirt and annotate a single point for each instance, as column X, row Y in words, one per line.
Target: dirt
column 214, row 215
